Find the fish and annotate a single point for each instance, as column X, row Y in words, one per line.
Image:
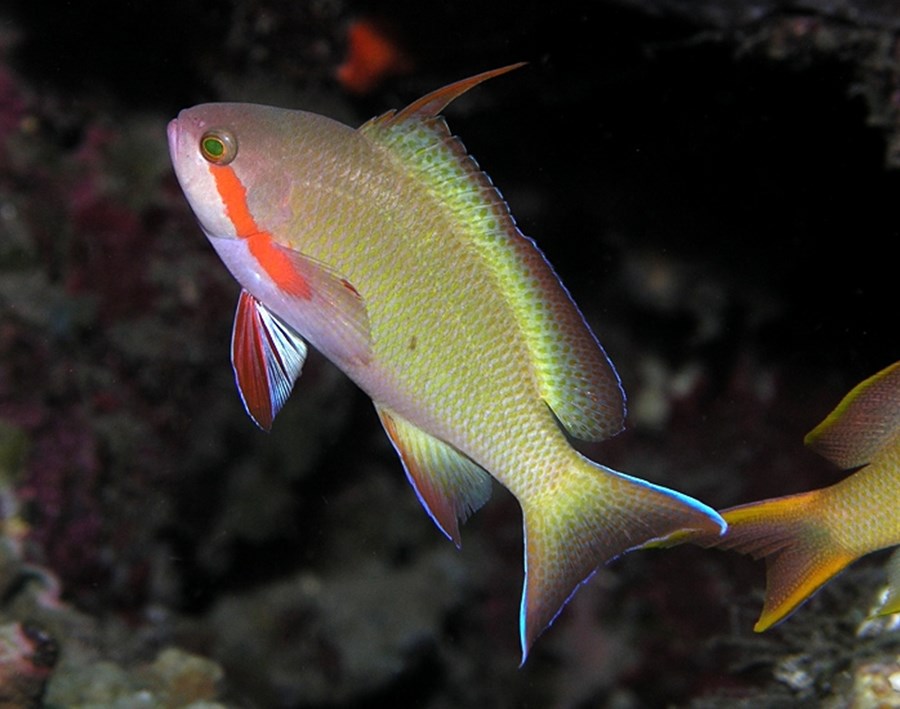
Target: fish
column 810, row 537
column 388, row 250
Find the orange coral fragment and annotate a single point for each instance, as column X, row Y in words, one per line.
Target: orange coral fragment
column 372, row 56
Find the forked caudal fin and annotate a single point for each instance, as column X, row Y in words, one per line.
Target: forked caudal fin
column 800, row 552
column 592, row 516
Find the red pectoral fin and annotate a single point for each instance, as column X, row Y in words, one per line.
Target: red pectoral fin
column 267, row 357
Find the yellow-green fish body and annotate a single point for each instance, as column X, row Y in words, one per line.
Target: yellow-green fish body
column 809, row 537
column 388, row 250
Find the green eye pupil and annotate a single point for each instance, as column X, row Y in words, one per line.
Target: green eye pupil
column 214, row 147
column 218, row 146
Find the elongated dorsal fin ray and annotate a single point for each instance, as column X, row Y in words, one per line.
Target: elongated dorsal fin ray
column 433, row 103
column 865, row 420
column 449, row 485
column 267, row 357
column 575, row 377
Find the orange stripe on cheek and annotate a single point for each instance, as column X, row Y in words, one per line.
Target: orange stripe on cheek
column 275, row 262
column 234, row 197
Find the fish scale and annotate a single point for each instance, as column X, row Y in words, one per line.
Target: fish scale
column 860, row 520
column 391, row 252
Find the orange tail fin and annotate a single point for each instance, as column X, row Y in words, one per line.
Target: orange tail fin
column 801, row 553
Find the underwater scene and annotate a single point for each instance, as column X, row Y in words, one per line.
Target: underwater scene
column 450, row 354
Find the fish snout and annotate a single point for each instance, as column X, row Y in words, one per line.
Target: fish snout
column 172, row 135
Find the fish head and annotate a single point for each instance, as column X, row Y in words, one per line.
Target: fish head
column 242, row 166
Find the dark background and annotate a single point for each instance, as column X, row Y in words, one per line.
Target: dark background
column 716, row 184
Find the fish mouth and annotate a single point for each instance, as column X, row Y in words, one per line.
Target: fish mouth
column 172, row 135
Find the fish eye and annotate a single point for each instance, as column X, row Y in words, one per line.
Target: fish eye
column 218, row 146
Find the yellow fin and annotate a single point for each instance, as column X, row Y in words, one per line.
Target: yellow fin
column 800, row 553
column 448, row 484
column 592, row 514
column 576, row 378
column 863, row 423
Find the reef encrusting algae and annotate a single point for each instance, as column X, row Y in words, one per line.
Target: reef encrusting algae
column 173, row 680
column 53, row 656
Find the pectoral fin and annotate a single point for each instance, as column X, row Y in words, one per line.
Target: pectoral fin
column 267, row 357
column 448, row 484
column 333, row 316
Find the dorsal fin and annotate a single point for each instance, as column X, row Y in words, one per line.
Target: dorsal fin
column 575, row 377
column 433, row 103
column 863, row 422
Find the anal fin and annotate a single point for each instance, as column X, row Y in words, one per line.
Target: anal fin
column 448, row 484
